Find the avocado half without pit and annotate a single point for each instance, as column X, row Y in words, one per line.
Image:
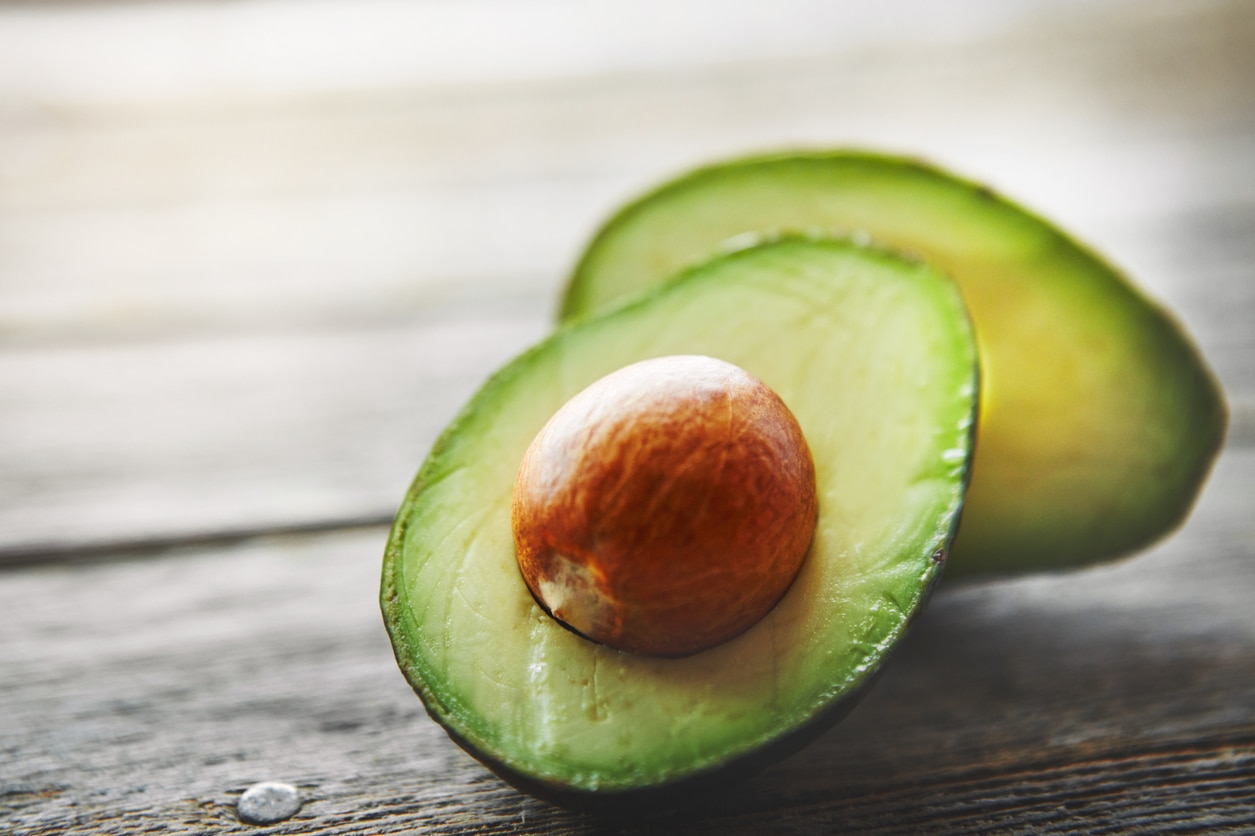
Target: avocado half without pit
column 699, row 563
column 1099, row 420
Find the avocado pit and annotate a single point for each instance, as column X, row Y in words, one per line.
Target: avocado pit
column 666, row 508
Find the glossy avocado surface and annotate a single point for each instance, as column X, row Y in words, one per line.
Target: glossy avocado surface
column 874, row 356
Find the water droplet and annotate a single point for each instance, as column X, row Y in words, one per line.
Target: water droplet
column 268, row 802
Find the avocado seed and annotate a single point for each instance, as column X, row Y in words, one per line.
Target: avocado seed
column 666, row 508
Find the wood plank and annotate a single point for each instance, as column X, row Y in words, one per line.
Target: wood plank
column 145, row 695
column 129, row 443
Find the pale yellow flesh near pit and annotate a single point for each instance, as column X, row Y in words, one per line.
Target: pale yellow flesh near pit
column 875, row 358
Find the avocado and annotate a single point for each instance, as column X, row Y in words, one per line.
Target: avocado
column 1099, row 420
column 874, row 357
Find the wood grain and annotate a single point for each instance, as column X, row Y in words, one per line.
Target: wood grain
column 147, row 694
column 120, row 442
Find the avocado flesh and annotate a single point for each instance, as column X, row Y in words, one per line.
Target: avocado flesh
column 1099, row 419
column 875, row 358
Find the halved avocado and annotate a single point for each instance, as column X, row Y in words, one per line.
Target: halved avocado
column 1099, row 419
column 875, row 358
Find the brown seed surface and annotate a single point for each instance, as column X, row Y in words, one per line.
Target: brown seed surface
column 666, row 508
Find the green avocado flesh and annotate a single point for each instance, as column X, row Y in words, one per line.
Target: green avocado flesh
column 874, row 356
column 1099, row 420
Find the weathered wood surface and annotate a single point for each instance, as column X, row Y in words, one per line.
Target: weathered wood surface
column 239, row 297
column 147, row 694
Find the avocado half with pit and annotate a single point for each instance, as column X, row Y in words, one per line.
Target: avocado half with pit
column 874, row 357
column 1099, row 420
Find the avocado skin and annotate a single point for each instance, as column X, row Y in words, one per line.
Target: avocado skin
column 1067, row 523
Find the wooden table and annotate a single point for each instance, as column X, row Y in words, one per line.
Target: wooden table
column 253, row 256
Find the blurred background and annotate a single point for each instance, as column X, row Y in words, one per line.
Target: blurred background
column 255, row 253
